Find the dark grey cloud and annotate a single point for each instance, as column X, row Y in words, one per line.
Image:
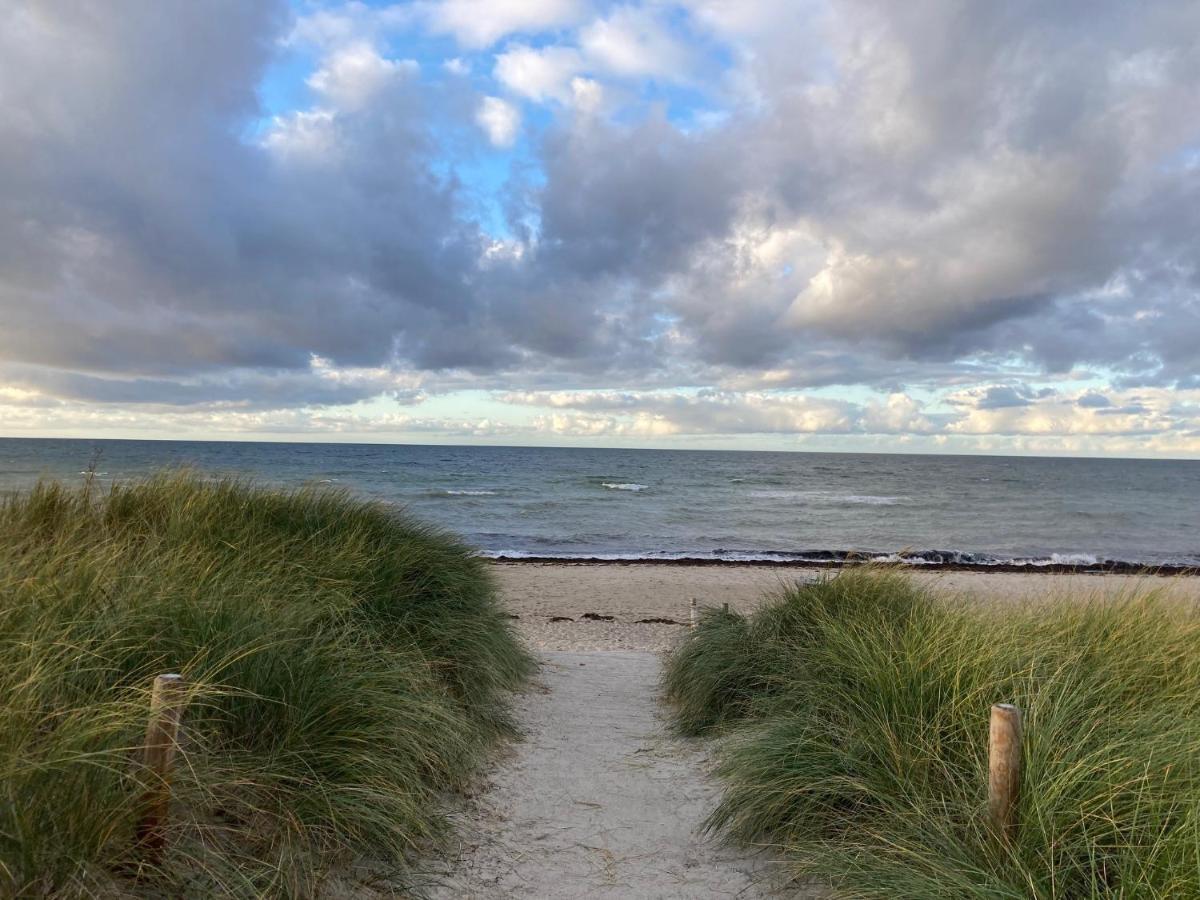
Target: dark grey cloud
column 144, row 236
column 1132, row 409
column 1093, row 400
column 246, row 389
column 974, row 185
column 894, row 195
column 1003, row 396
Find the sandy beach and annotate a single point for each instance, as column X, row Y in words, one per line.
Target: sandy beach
column 556, row 602
column 599, row 798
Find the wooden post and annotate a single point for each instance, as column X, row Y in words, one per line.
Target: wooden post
column 1004, row 768
column 162, row 734
column 694, row 612
column 725, row 608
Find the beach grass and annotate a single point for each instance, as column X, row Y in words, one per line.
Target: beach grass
column 344, row 664
column 853, row 714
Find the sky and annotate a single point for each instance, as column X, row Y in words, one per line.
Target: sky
column 932, row 226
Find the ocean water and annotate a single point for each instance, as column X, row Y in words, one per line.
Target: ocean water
column 582, row 503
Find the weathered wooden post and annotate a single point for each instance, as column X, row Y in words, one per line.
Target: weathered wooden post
column 167, row 702
column 694, row 612
column 725, row 608
column 1004, row 768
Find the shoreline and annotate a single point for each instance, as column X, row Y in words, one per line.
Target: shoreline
column 1109, row 567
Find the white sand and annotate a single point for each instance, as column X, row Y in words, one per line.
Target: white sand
column 539, row 592
column 599, row 801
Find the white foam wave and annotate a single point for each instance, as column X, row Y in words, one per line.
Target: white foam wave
column 829, row 497
column 1067, row 559
column 466, row 493
column 624, row 486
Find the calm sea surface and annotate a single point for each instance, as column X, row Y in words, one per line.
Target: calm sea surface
column 522, row 501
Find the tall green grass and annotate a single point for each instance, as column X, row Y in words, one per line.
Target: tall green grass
column 855, row 715
column 346, row 665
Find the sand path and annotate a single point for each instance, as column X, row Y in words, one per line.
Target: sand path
column 598, row 800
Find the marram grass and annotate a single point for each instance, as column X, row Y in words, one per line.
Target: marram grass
column 345, row 666
column 854, row 714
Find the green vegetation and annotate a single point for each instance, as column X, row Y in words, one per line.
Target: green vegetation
column 855, row 715
column 345, row 664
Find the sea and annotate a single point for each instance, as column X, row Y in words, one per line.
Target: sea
column 710, row 506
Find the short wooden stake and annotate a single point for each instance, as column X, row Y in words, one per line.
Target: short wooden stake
column 1004, row 768
column 695, row 613
column 162, row 736
column 725, row 608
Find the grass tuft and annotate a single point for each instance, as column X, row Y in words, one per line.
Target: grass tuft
column 345, row 666
column 854, row 713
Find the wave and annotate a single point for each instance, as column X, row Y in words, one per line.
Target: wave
column 466, row 493
column 1073, row 559
column 829, row 497
column 957, row 559
column 623, row 486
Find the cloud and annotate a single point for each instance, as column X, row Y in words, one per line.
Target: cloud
column 319, row 385
column 189, row 250
column 539, row 74
column 587, row 95
column 707, row 412
column 480, row 23
column 633, row 42
column 354, row 74
column 1155, row 414
column 1093, row 400
column 994, row 210
column 1001, row 396
column 1144, row 413
column 327, row 27
column 900, row 414
column 500, row 120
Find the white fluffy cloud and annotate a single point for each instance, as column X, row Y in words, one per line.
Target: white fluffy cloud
column 352, row 75
column 538, row 73
column 499, row 119
column 1139, row 423
column 709, row 412
column 480, row 23
column 634, row 42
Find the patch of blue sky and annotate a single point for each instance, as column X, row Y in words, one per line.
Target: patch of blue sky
column 486, row 173
column 283, row 88
column 690, row 103
column 430, row 52
column 483, row 187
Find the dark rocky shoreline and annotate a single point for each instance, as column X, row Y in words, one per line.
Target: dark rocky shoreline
column 837, row 561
